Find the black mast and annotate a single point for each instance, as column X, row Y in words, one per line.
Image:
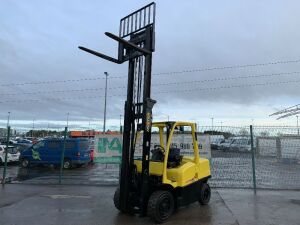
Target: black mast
column 136, row 44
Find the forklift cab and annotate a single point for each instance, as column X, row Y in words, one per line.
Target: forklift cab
column 177, row 166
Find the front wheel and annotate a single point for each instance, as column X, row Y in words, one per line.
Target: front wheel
column 24, row 163
column 205, row 194
column 67, row 164
column 160, row 206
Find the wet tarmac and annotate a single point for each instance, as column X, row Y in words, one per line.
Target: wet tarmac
column 89, row 205
column 228, row 170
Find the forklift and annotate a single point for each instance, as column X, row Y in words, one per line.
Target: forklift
column 162, row 178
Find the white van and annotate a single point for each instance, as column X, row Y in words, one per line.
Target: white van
column 13, row 154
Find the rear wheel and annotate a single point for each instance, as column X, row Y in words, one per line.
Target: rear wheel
column 205, row 194
column 117, row 199
column 67, row 164
column 160, row 206
column 24, row 163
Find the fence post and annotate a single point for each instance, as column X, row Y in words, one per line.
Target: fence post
column 253, row 159
column 278, row 148
column 6, row 152
column 63, row 155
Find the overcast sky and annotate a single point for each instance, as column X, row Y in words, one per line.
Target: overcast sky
column 39, row 39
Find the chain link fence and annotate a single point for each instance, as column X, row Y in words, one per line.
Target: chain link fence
column 273, row 162
column 270, row 161
column 277, row 157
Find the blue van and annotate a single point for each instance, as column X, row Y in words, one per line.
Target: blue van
column 49, row 151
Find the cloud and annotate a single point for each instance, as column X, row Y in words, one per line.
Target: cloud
column 39, row 43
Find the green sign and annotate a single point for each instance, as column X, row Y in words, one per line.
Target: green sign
column 108, row 149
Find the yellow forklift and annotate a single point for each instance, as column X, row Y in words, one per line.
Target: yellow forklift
column 163, row 178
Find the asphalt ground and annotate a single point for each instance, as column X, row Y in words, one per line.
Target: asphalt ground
column 88, row 205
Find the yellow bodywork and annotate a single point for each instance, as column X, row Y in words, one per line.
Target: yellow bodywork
column 190, row 170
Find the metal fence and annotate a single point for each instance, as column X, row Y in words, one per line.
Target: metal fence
column 273, row 162
column 267, row 159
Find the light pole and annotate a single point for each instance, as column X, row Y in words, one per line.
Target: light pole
column 48, row 129
column 8, row 120
column 32, row 128
column 8, row 117
column 221, row 126
column 68, row 119
column 89, row 128
column 104, row 123
column 297, row 125
column 121, row 124
column 167, row 115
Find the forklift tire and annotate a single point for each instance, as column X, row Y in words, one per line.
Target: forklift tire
column 205, row 194
column 160, row 206
column 117, row 199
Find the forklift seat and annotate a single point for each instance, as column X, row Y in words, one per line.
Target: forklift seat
column 174, row 158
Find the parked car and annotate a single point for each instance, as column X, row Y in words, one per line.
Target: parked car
column 3, row 141
column 225, row 144
column 24, row 141
column 12, row 155
column 215, row 145
column 242, row 144
column 49, row 151
column 32, row 139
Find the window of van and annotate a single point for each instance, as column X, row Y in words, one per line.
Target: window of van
column 38, row 145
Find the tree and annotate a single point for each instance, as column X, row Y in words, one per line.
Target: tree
column 244, row 132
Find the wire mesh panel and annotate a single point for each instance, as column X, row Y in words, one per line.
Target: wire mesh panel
column 277, row 157
column 230, row 156
column 276, row 150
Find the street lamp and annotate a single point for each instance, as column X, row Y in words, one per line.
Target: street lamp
column 68, row 119
column 89, row 128
column 32, row 128
column 167, row 115
column 104, row 123
column 48, row 129
column 121, row 124
column 8, row 119
column 297, row 125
